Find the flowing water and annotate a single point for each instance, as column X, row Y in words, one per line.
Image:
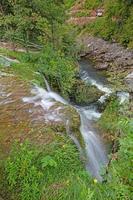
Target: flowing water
column 96, row 156
column 51, row 104
column 90, row 75
column 95, row 151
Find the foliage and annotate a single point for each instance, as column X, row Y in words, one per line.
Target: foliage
column 26, row 20
column 97, row 29
column 91, row 4
column 74, row 188
column 110, row 117
column 35, row 23
column 32, row 174
column 127, row 33
column 118, row 179
column 48, row 161
column 116, row 24
column 22, row 174
column 69, row 3
column 58, row 69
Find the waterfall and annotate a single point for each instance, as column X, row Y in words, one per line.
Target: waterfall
column 47, row 85
column 95, row 152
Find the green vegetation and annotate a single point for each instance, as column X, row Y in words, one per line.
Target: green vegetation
column 83, row 93
column 117, row 179
column 38, row 174
column 59, row 69
column 91, row 4
column 69, row 3
column 55, row 169
column 110, row 119
column 25, row 21
column 52, row 169
column 116, row 23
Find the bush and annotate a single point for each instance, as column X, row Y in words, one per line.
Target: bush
column 102, row 27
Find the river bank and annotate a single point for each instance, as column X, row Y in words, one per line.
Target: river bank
column 112, row 58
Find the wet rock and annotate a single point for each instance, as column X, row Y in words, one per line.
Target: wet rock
column 112, row 57
column 4, row 61
column 102, row 66
column 21, row 120
column 105, row 52
column 71, row 114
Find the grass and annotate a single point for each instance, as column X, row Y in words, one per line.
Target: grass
column 52, row 172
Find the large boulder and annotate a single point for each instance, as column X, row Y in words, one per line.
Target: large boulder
column 84, row 94
column 104, row 52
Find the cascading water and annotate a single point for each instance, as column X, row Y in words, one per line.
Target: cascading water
column 90, row 75
column 95, row 152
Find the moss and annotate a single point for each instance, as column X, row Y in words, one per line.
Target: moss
column 28, row 71
column 68, row 112
column 116, row 78
column 74, row 119
column 83, row 94
column 110, row 117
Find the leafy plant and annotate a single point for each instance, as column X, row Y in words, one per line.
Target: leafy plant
column 110, row 118
column 24, row 178
column 57, row 68
column 48, row 161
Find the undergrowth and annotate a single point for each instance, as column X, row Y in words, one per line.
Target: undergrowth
column 52, row 173
column 115, row 24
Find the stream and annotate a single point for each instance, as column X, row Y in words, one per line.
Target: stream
column 96, row 156
column 95, row 151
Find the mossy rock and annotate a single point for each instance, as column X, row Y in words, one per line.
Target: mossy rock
column 84, row 94
column 74, row 120
column 67, row 113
